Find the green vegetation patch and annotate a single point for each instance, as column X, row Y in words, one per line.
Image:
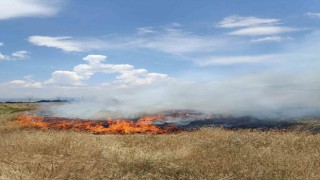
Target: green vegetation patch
column 14, row 108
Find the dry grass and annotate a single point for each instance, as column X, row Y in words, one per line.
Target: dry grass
column 9, row 112
column 205, row 154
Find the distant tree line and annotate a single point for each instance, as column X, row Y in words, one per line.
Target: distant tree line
column 40, row 101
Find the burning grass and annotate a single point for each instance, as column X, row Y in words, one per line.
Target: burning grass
column 209, row 153
column 108, row 126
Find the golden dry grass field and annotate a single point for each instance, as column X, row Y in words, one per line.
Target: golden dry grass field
column 209, row 153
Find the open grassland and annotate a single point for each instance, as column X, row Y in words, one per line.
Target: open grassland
column 210, row 153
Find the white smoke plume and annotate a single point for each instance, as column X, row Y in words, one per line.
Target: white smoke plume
column 268, row 95
column 290, row 90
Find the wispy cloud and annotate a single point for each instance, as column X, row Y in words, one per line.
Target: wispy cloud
column 65, row 43
column 268, row 39
column 25, row 84
column 254, row 26
column 20, row 54
column 146, row 30
column 263, row 30
column 240, row 21
column 228, row 60
column 17, row 55
column 313, row 14
column 176, row 42
column 169, row 40
column 28, row 8
column 2, row 57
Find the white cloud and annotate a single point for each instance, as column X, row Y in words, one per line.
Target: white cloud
column 95, row 65
column 175, row 42
column 127, row 76
column 268, row 39
column 138, row 77
column 95, row 59
column 254, row 26
column 20, row 54
column 240, row 21
column 2, row 57
column 262, row 30
column 64, row 43
column 25, row 84
column 146, row 30
column 14, row 56
column 27, row 8
column 65, row 78
column 172, row 41
column 236, row 60
column 313, row 15
column 28, row 77
column 175, row 24
column 70, row 44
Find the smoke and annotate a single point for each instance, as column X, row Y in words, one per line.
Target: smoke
column 272, row 95
column 288, row 87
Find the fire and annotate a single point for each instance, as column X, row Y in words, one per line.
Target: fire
column 109, row 126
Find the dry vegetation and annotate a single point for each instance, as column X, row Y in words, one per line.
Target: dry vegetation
column 210, row 153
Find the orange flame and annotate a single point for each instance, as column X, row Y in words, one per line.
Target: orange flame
column 109, row 126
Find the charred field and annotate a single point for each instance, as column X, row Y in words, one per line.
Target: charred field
column 215, row 147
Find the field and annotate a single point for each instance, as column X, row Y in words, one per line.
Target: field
column 209, row 153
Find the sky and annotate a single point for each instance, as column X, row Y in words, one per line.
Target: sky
column 69, row 48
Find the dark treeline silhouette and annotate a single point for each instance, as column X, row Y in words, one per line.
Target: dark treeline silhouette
column 40, row 101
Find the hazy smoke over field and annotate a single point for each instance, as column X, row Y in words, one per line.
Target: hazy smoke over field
column 278, row 86
column 270, row 95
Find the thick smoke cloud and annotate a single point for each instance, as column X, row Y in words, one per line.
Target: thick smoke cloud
column 289, row 88
column 271, row 95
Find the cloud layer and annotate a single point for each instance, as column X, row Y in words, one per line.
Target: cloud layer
column 254, row 26
column 173, row 40
column 64, row 43
column 27, row 8
column 167, row 40
column 313, row 14
column 127, row 76
column 17, row 55
column 240, row 22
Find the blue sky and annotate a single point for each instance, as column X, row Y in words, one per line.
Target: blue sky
column 61, row 46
